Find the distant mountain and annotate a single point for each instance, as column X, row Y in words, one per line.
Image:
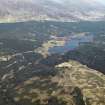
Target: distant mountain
column 65, row 10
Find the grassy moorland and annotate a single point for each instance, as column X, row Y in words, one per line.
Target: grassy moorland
column 31, row 75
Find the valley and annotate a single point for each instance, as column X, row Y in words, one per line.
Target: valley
column 52, row 63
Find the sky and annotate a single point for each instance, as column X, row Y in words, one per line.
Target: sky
column 100, row 1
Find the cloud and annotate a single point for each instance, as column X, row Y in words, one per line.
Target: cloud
column 90, row 1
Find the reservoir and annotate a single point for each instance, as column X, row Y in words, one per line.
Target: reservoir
column 71, row 43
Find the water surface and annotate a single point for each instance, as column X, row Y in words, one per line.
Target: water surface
column 71, row 43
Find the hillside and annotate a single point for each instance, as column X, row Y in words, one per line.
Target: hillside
column 17, row 10
column 68, row 83
column 31, row 73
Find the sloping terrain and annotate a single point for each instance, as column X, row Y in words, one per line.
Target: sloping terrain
column 29, row 82
column 65, row 10
column 31, row 77
column 92, row 83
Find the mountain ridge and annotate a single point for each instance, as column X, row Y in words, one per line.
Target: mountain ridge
column 16, row 10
